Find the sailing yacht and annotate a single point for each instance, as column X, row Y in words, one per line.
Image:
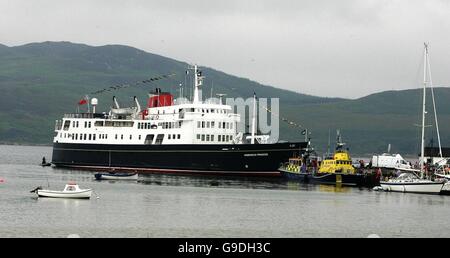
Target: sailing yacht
column 411, row 182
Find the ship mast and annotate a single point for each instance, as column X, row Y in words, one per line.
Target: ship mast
column 254, row 119
column 198, row 81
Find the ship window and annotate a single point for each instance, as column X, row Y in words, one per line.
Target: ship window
column 169, row 136
column 219, row 138
column 212, row 110
column 139, row 125
column 231, row 125
column 149, row 138
column 203, row 124
column 93, row 138
column 228, row 125
column 179, row 136
column 159, row 139
column 198, row 124
column 90, row 137
column 89, row 124
column 174, row 136
column 139, row 137
column 131, row 137
column 116, row 136
column 106, row 136
column 220, row 125
column 66, row 125
column 212, row 124
column 203, row 137
column 212, row 137
column 85, row 137
column 208, row 124
column 228, row 138
column 207, row 137
column 121, row 136
column 198, row 136
column 179, row 124
column 223, row 125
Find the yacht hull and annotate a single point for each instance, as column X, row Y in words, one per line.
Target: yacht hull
column 242, row 159
column 428, row 188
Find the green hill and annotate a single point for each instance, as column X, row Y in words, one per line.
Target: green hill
column 41, row 81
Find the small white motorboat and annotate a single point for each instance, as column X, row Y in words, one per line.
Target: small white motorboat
column 411, row 183
column 71, row 190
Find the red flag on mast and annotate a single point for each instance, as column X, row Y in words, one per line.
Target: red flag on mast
column 82, row 102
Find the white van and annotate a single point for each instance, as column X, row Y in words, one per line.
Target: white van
column 392, row 161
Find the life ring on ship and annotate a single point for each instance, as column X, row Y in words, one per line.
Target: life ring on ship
column 156, row 117
column 144, row 113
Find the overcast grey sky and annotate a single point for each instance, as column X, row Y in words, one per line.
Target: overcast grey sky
column 345, row 48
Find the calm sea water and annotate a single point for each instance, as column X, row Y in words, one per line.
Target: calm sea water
column 190, row 206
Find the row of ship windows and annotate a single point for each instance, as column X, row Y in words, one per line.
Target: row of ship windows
column 88, row 124
column 92, row 137
column 163, row 125
column 198, row 110
column 218, row 111
column 211, row 124
column 210, row 138
column 338, row 162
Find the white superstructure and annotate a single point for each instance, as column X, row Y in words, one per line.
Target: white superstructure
column 163, row 121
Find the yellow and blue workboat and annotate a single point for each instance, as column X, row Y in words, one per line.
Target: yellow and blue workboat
column 295, row 169
column 338, row 169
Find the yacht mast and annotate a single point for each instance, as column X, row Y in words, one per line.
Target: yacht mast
column 434, row 106
column 425, row 55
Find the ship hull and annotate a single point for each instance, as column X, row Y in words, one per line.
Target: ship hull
column 244, row 159
column 338, row 179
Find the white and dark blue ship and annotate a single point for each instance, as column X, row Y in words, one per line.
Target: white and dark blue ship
column 168, row 136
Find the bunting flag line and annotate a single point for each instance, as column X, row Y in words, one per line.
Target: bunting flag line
column 289, row 122
column 126, row 85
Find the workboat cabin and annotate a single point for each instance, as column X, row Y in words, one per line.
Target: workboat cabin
column 168, row 134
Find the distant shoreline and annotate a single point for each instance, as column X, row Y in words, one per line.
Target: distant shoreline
column 25, row 144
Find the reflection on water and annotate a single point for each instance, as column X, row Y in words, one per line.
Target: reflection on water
column 334, row 189
column 204, row 206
